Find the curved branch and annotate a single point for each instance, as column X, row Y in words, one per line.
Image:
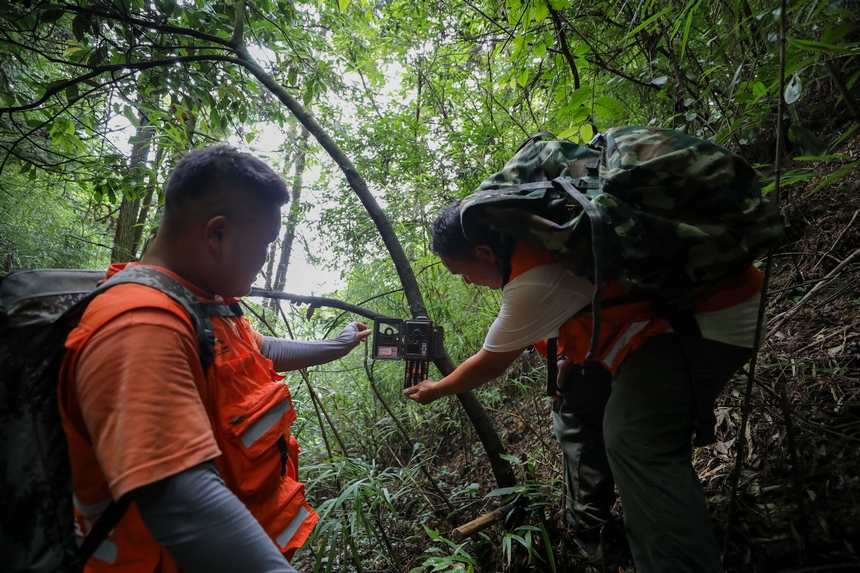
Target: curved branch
column 356, row 182
column 502, row 469
column 562, row 39
column 316, row 301
column 152, row 24
column 115, row 68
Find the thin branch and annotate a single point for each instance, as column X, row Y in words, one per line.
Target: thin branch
column 115, row 68
column 151, row 24
column 562, row 40
column 786, row 316
column 316, row 302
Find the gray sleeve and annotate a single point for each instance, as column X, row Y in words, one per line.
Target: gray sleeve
column 204, row 526
column 288, row 354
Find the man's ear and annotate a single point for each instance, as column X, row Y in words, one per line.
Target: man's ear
column 214, row 232
column 485, row 253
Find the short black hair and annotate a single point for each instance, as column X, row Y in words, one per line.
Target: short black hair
column 205, row 173
column 449, row 239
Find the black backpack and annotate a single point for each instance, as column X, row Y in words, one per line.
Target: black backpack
column 38, row 309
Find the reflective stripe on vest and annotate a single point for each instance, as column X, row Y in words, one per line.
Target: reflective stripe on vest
column 107, row 551
column 632, row 330
column 287, row 534
column 90, row 511
column 264, row 424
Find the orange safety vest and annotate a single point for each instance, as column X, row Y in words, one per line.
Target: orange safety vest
column 626, row 327
column 250, row 412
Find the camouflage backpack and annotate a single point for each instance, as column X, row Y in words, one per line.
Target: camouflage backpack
column 673, row 207
column 38, row 308
column 650, row 207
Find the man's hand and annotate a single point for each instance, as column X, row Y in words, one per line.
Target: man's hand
column 423, row 392
column 362, row 332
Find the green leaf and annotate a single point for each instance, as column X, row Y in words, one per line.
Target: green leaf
column 838, row 174
column 343, row 5
column 850, row 49
column 831, row 157
column 131, row 115
column 758, row 88
column 506, row 490
column 51, row 15
column 523, row 78
column 579, row 97
column 790, row 179
column 608, row 107
column 845, row 135
column 78, row 27
column 586, row 132
column 808, row 142
column 539, row 49
column 72, row 92
column 654, row 17
column 568, row 132
column 539, row 11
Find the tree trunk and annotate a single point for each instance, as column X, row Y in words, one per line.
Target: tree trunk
column 146, row 205
column 293, row 216
column 124, row 249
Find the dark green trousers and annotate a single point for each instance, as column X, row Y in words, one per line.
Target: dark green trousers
column 647, row 427
column 578, row 424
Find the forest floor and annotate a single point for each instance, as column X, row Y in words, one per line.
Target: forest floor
column 795, row 508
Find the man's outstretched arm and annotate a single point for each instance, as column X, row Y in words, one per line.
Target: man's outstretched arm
column 288, row 354
column 475, row 371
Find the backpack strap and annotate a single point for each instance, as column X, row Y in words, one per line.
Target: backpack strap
column 552, row 366
column 689, row 336
column 77, row 556
column 597, row 247
column 200, row 316
column 196, row 310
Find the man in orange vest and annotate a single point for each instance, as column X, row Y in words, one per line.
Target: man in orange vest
column 624, row 419
column 206, row 457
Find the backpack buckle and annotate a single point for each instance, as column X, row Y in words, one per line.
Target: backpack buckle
column 597, row 142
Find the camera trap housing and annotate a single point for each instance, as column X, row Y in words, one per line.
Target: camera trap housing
column 415, row 340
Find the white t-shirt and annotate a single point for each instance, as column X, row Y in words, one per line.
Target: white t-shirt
column 536, row 303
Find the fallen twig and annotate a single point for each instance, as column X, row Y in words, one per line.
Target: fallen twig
column 786, row 316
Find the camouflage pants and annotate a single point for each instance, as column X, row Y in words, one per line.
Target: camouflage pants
column 578, row 425
column 647, row 428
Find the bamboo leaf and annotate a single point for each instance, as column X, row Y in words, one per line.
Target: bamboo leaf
column 632, row 33
column 838, row 174
column 849, row 49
